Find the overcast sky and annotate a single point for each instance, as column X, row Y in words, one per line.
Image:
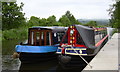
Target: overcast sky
column 81, row 9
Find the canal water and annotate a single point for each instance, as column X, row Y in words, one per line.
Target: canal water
column 14, row 65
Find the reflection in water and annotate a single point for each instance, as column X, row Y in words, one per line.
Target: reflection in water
column 51, row 66
column 39, row 67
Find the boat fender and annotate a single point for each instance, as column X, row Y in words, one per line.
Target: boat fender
column 65, row 59
column 63, row 50
column 15, row 55
column 90, row 51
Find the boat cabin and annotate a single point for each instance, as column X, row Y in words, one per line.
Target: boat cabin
column 82, row 39
column 43, row 36
column 78, row 35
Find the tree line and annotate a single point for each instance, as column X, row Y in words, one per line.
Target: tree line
column 65, row 20
column 12, row 17
column 15, row 25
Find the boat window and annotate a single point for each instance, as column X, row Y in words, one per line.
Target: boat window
column 100, row 35
column 32, row 37
column 37, row 38
column 42, row 35
column 42, row 38
column 104, row 33
column 60, row 35
column 48, row 38
column 55, row 34
column 55, row 38
column 37, row 35
column 65, row 39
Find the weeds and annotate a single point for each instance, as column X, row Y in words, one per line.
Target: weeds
column 20, row 33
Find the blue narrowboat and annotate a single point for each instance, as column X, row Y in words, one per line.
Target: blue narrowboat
column 42, row 44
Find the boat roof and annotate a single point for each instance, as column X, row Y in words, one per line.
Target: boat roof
column 87, row 35
column 53, row 28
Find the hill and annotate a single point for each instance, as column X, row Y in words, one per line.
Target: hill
column 99, row 21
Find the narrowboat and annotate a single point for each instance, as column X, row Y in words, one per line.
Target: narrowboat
column 42, row 44
column 80, row 44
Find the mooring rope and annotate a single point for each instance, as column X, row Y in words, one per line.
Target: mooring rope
column 82, row 57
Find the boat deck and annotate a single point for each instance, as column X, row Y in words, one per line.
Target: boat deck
column 107, row 59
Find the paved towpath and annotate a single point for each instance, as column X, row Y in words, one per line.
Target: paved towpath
column 107, row 58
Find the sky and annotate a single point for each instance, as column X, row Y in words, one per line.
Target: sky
column 81, row 9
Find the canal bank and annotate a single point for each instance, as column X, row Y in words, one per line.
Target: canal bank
column 107, row 59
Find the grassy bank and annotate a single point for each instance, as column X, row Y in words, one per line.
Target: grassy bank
column 12, row 34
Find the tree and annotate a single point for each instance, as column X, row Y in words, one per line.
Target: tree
column 43, row 22
column 12, row 17
column 114, row 12
column 0, row 15
column 51, row 20
column 91, row 23
column 72, row 18
column 64, row 20
column 68, row 19
column 34, row 21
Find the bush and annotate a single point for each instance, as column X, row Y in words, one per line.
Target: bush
column 20, row 33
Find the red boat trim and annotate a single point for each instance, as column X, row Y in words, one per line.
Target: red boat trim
column 97, row 44
column 77, row 45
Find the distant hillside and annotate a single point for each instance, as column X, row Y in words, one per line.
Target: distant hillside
column 99, row 21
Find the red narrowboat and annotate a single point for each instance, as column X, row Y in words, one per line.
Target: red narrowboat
column 80, row 44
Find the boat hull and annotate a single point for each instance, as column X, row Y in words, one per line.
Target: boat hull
column 74, row 61
column 32, row 54
column 37, row 57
